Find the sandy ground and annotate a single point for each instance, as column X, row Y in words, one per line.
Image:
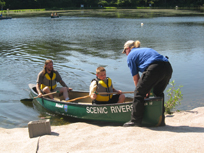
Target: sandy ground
column 184, row 133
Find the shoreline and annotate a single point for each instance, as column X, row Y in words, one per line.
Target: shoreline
column 183, row 133
column 110, row 13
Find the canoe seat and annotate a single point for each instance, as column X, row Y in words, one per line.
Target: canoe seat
column 57, row 99
column 84, row 103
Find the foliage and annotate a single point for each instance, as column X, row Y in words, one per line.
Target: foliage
column 2, row 3
column 103, row 3
column 174, row 97
column 33, row 4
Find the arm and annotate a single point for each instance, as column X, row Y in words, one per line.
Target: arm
column 59, row 79
column 64, row 85
column 133, row 70
column 136, row 79
column 92, row 90
column 38, row 89
column 39, row 81
column 118, row 91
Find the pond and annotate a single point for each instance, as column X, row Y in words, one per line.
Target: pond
column 78, row 45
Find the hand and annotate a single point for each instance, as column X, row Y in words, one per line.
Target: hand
column 40, row 95
column 147, row 95
column 69, row 89
column 93, row 96
column 119, row 92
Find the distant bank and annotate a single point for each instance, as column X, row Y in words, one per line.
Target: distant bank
column 111, row 13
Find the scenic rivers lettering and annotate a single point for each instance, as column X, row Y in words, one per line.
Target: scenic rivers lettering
column 111, row 109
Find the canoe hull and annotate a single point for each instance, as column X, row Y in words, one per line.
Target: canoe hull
column 54, row 16
column 118, row 113
column 1, row 18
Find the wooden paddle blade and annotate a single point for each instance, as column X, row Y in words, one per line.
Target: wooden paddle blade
column 31, row 99
column 28, row 103
column 27, row 99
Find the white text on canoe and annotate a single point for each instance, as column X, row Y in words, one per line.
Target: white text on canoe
column 113, row 109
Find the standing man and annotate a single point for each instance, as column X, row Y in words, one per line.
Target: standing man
column 47, row 81
column 156, row 73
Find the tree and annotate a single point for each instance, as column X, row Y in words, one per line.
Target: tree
column 31, row 4
column 2, row 4
column 103, row 3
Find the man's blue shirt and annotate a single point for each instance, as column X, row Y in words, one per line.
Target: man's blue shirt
column 140, row 58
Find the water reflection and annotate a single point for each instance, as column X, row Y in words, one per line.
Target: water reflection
column 79, row 45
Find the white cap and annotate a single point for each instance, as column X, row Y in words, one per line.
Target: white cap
column 129, row 43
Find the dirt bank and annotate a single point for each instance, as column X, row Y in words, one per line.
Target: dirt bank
column 184, row 133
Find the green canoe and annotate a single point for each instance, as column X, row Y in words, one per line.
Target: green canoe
column 83, row 108
column 5, row 17
column 54, row 16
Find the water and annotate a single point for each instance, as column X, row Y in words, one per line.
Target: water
column 78, row 45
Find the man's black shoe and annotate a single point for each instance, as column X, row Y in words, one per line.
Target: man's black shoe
column 130, row 123
column 162, row 124
column 163, row 121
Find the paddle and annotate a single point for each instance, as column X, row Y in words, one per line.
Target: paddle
column 107, row 93
column 77, row 98
column 31, row 99
column 101, row 93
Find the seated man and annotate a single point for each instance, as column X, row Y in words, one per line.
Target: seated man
column 47, row 81
column 104, row 84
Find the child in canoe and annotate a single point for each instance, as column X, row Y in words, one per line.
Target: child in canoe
column 104, row 84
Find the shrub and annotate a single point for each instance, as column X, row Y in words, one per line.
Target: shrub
column 174, row 98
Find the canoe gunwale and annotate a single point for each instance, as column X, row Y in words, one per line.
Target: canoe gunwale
column 73, row 103
column 81, row 103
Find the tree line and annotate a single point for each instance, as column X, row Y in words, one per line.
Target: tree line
column 66, row 4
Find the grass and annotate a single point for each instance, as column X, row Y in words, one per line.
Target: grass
column 107, row 12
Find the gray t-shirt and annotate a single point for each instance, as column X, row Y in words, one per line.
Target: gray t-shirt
column 41, row 77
